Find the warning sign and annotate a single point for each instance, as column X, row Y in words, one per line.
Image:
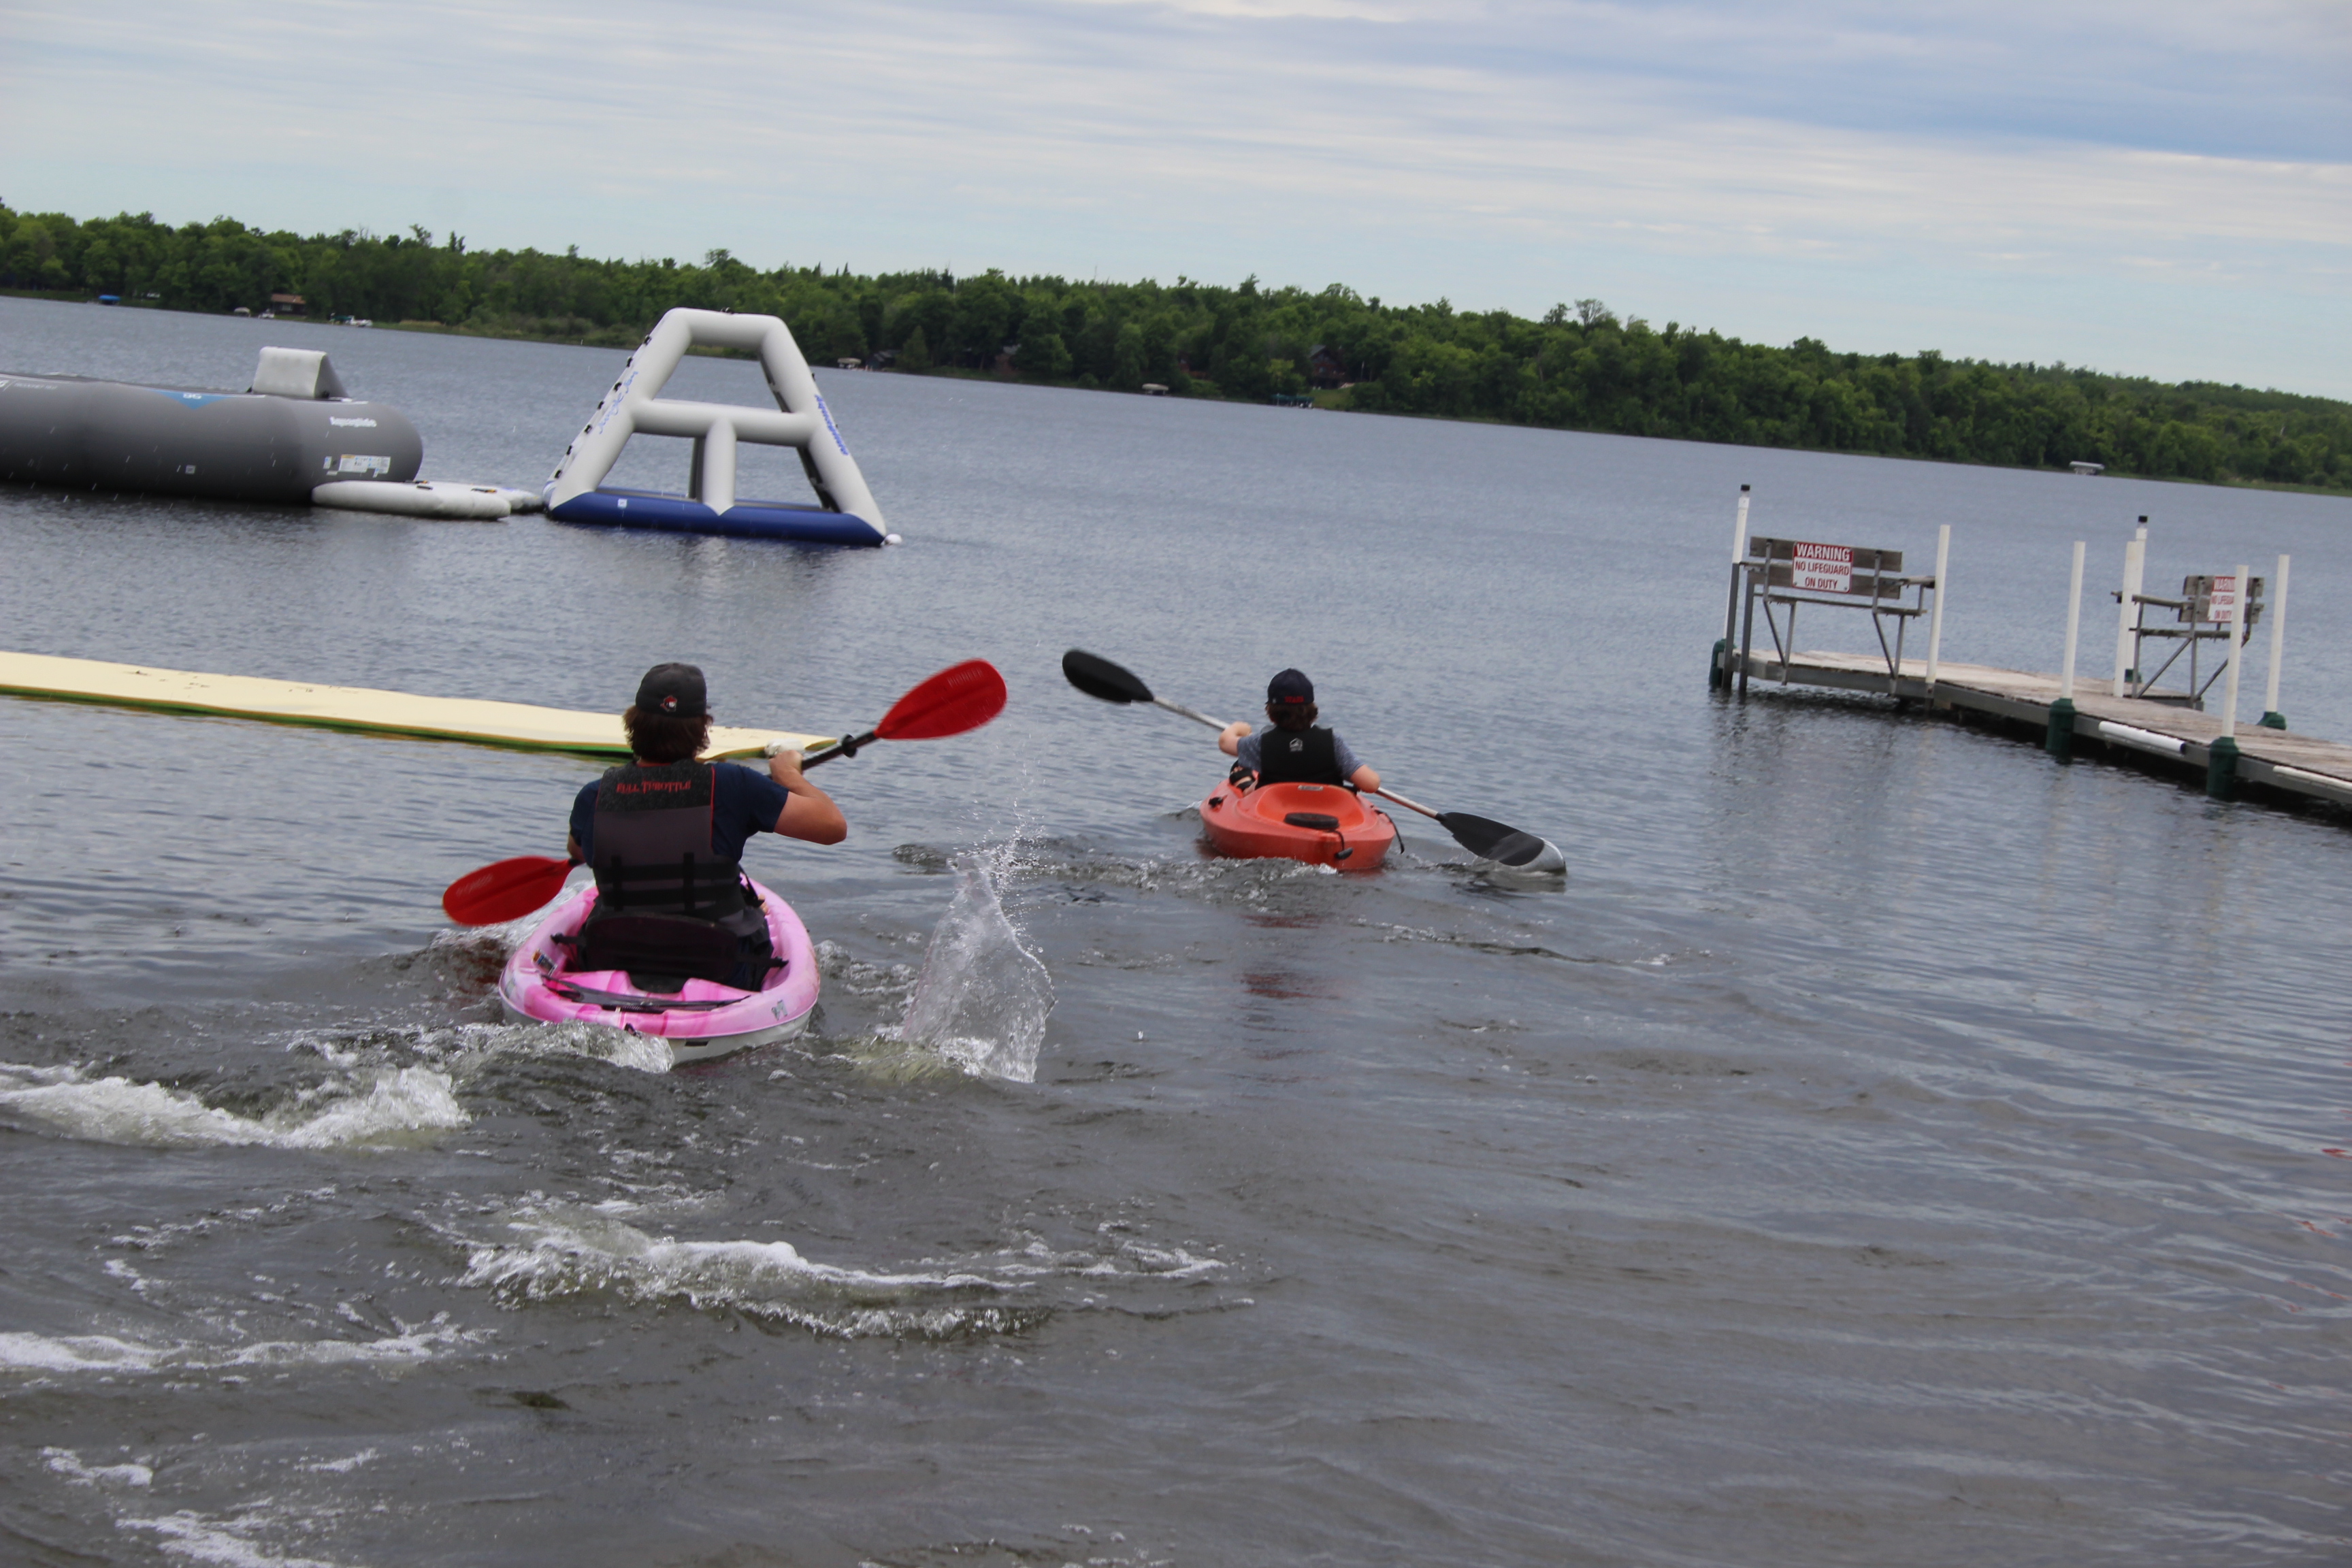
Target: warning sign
column 2222, row 600
column 1823, row 568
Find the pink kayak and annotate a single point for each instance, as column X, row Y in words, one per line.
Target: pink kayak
column 700, row 1020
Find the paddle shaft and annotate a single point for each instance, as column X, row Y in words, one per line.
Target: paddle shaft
column 1192, row 713
column 1411, row 804
column 845, row 747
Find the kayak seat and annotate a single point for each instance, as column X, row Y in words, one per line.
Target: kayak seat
column 1317, row 821
column 659, row 953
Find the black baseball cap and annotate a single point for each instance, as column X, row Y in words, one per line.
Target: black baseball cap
column 1290, row 686
column 676, row 689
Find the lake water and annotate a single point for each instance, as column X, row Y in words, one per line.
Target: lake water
column 1885, row 1147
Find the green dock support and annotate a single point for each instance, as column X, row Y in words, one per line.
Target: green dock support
column 2060, row 742
column 2221, row 769
column 2274, row 720
column 1718, row 674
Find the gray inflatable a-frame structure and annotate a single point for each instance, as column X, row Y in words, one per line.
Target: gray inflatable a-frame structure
column 845, row 512
column 290, row 432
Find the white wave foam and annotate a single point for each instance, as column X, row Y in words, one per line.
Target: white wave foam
column 104, row 1353
column 343, row 1466
column 982, row 998
column 68, row 1463
column 576, row 1253
column 461, row 1049
column 390, row 1107
column 225, row 1543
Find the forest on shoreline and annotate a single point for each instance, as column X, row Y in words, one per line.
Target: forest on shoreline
column 1577, row 367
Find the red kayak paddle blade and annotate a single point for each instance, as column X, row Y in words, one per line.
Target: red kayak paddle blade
column 505, row 891
column 963, row 697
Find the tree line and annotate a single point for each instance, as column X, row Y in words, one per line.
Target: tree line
column 1577, row 367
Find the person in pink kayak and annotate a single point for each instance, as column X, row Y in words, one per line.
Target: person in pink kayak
column 664, row 834
column 1295, row 750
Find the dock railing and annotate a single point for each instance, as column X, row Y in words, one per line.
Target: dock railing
column 2204, row 612
column 1781, row 576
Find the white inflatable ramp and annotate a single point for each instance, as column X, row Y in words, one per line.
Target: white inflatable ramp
column 844, row 512
column 519, row 725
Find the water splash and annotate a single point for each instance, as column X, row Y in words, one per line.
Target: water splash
column 402, row 1105
column 564, row 1253
column 559, row 1252
column 68, row 1353
column 982, row 998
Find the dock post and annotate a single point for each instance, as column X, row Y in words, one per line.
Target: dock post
column 2060, row 742
column 1936, row 622
column 2222, row 760
column 2127, row 610
column 1718, row 674
column 2271, row 718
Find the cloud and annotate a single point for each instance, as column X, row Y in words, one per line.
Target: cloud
column 1491, row 152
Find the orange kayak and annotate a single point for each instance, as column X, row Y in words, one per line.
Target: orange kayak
column 1323, row 824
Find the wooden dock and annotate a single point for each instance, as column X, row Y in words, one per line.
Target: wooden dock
column 2278, row 760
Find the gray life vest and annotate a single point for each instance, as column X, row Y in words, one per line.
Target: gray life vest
column 1292, row 757
column 652, row 845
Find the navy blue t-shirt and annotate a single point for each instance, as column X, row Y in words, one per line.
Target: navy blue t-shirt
column 741, row 802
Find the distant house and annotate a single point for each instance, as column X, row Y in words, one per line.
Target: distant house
column 286, row 304
column 1324, row 367
column 1153, row 389
column 2088, row 470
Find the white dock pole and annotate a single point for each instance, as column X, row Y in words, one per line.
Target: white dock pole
column 1731, row 604
column 2271, row 718
column 2074, row 622
column 2127, row 612
column 2060, row 741
column 2237, row 659
column 2221, row 757
column 1936, row 622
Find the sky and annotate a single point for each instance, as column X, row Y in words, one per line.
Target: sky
column 2154, row 188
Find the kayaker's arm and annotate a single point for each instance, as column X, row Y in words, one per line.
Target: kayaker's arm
column 1364, row 778
column 1229, row 738
column 810, row 816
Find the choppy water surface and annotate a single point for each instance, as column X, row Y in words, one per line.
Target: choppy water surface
column 1885, row 1146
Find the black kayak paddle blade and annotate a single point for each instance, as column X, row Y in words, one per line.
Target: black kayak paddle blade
column 1101, row 677
column 1490, row 840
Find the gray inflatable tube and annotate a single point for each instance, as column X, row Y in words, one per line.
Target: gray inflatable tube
column 275, row 442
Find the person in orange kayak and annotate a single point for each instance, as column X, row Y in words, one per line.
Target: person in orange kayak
column 664, row 834
column 1296, row 750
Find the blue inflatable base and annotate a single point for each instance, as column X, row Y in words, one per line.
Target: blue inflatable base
column 744, row 519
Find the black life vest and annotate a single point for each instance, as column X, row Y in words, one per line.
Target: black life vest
column 651, row 844
column 1295, row 756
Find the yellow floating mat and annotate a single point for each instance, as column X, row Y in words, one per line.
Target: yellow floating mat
column 517, row 724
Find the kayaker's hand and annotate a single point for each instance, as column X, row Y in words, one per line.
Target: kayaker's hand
column 1241, row 778
column 1229, row 738
column 810, row 814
